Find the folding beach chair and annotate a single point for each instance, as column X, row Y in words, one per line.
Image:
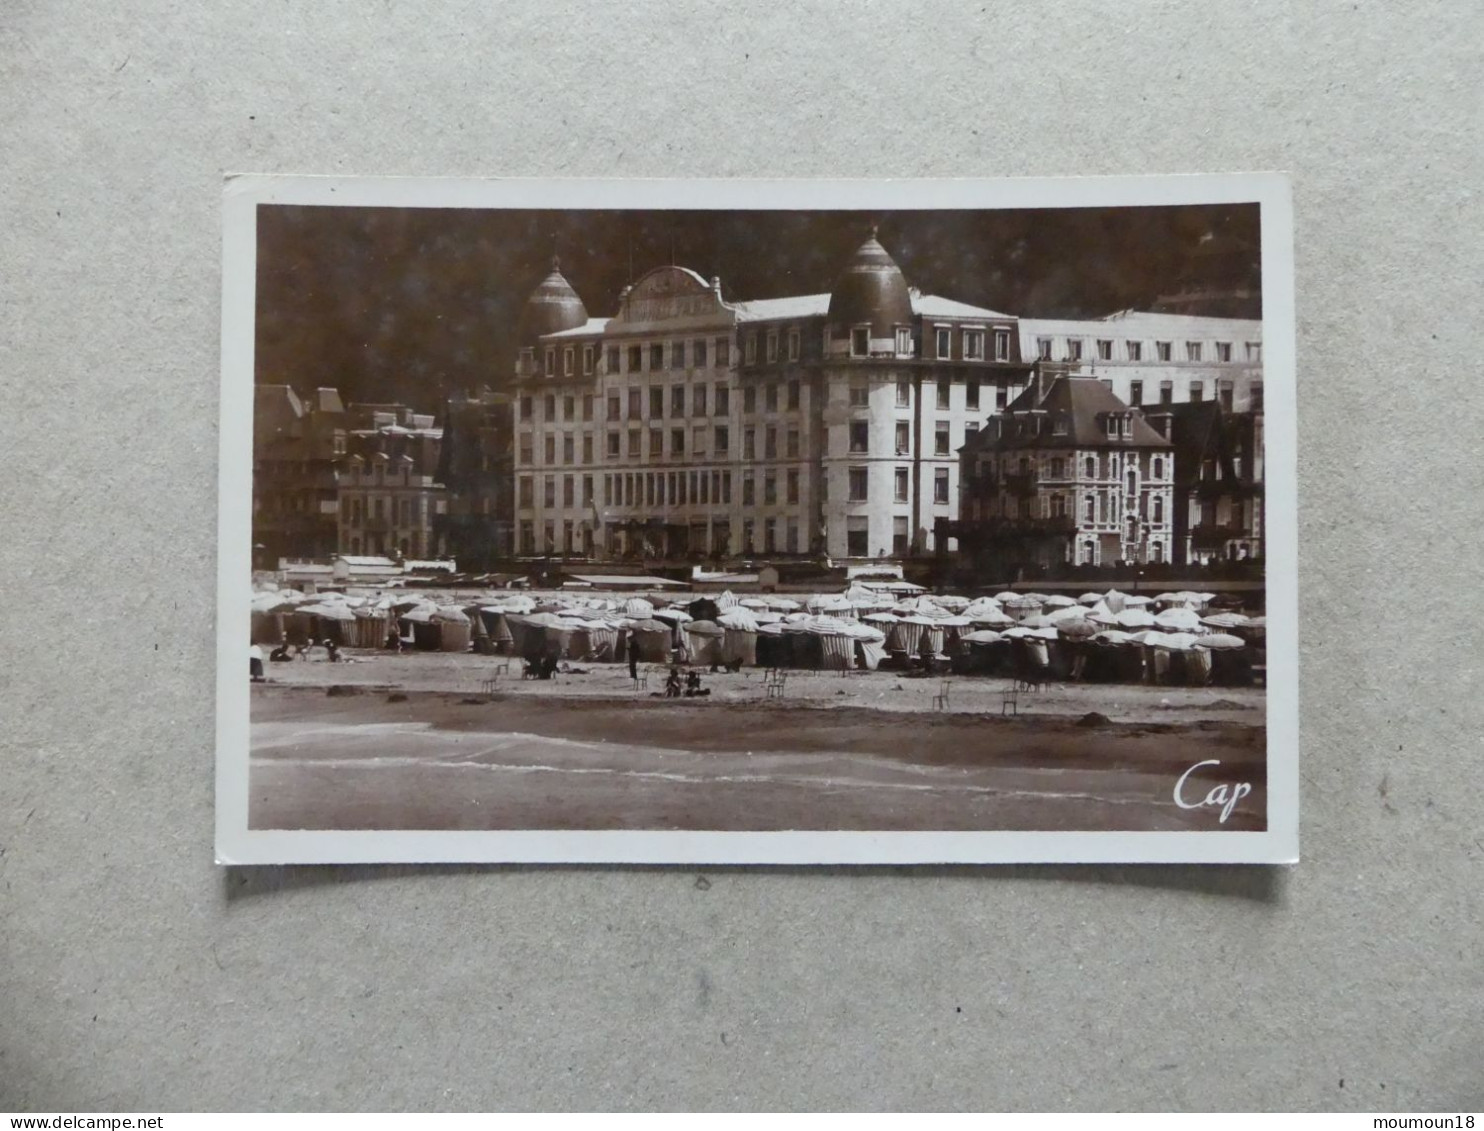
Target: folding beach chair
column 940, row 700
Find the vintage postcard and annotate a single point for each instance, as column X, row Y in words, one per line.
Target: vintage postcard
column 758, row 521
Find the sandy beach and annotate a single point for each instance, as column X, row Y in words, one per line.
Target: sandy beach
column 423, row 741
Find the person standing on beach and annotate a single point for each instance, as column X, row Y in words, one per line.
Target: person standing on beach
column 633, row 660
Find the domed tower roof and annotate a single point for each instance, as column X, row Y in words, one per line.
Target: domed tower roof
column 871, row 289
column 553, row 306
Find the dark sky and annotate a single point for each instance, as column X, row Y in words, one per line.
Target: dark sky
column 408, row 304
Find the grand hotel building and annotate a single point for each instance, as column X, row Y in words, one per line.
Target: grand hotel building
column 690, row 425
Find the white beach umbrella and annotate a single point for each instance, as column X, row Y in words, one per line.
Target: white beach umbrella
column 1180, row 619
column 1175, row 641
column 982, row 636
column 1222, row 641
column 1067, row 613
column 1224, row 620
column 989, row 616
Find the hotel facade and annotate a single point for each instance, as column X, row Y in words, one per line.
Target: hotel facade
column 687, row 425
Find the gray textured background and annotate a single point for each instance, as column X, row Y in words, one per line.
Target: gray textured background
column 136, row 975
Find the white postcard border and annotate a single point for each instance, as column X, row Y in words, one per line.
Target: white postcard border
column 237, row 844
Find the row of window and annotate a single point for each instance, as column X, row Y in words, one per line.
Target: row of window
column 654, row 489
column 776, row 345
column 1093, row 467
column 403, row 512
column 704, row 488
column 1196, row 392
column 565, row 409
column 380, row 471
column 860, row 437
column 786, row 345
column 1098, row 508
column 1087, row 552
column 680, row 354
column 971, row 343
column 858, row 482
column 771, row 347
column 1133, row 350
column 775, row 398
column 719, row 437
column 857, row 536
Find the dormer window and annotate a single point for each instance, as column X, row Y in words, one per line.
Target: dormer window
column 1126, row 426
column 904, row 341
column 567, row 362
column 551, row 361
column 1074, row 349
column 860, row 341
column 793, row 345
column 1002, row 345
column 587, row 361
column 749, row 350
column 942, row 343
column 973, row 345
column 1110, row 424
column 772, row 347
column 1043, row 348
column 1105, row 349
column 1059, row 427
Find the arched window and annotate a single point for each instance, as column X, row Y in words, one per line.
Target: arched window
column 1089, row 552
column 1157, row 552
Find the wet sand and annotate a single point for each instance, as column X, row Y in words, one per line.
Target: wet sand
column 590, row 752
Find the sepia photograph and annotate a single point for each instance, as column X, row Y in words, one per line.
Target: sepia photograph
column 757, row 522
